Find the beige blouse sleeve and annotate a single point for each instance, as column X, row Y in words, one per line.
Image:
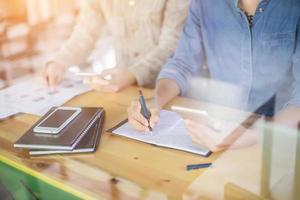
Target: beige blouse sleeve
column 84, row 35
column 148, row 67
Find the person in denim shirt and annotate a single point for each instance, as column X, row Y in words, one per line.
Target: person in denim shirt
column 254, row 44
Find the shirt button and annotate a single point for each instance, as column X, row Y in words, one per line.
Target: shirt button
column 136, row 54
column 260, row 10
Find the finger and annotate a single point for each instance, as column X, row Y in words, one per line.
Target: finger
column 135, row 107
column 108, row 77
column 137, row 125
column 154, row 117
column 99, row 87
column 111, row 71
column 202, row 136
column 134, row 112
column 205, row 132
column 99, row 80
column 192, row 122
column 87, row 80
column 217, row 149
column 45, row 74
column 197, row 125
column 56, row 82
column 154, row 112
column 195, row 139
column 44, row 80
column 198, row 141
column 106, row 88
column 52, row 80
column 196, row 132
column 153, row 121
column 95, row 86
column 203, row 142
column 113, row 88
column 140, row 118
column 132, row 108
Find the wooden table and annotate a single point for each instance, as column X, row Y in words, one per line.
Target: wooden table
column 120, row 169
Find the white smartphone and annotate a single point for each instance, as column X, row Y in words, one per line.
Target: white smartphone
column 57, row 120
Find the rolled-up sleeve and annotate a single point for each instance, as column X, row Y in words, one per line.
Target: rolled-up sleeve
column 295, row 98
column 189, row 55
column 148, row 67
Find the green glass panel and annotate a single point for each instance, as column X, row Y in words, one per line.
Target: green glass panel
column 23, row 186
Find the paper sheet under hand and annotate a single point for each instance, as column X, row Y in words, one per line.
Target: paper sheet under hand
column 169, row 132
column 33, row 98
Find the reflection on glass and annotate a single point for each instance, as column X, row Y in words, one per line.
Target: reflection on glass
column 268, row 169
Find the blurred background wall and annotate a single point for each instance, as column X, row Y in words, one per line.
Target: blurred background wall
column 29, row 31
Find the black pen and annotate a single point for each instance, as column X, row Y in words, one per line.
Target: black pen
column 198, row 166
column 144, row 110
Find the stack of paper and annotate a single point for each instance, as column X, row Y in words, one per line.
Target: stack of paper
column 34, row 98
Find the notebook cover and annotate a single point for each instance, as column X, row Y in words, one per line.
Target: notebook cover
column 67, row 138
column 89, row 142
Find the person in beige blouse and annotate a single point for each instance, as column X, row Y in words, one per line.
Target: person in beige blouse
column 144, row 32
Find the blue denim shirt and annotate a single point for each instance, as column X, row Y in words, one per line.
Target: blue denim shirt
column 261, row 60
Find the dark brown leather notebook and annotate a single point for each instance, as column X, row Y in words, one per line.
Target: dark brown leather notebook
column 89, row 142
column 68, row 138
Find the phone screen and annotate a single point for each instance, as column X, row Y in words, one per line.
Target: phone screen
column 56, row 119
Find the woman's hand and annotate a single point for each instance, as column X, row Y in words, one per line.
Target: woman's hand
column 53, row 74
column 203, row 135
column 232, row 135
column 111, row 80
column 137, row 120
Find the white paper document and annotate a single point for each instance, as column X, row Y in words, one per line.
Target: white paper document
column 33, row 98
column 170, row 131
column 6, row 109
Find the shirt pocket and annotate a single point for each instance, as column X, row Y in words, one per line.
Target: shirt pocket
column 280, row 39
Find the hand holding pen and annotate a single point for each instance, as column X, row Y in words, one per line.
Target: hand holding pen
column 144, row 110
column 141, row 116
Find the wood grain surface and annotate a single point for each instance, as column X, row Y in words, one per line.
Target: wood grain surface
column 120, row 169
